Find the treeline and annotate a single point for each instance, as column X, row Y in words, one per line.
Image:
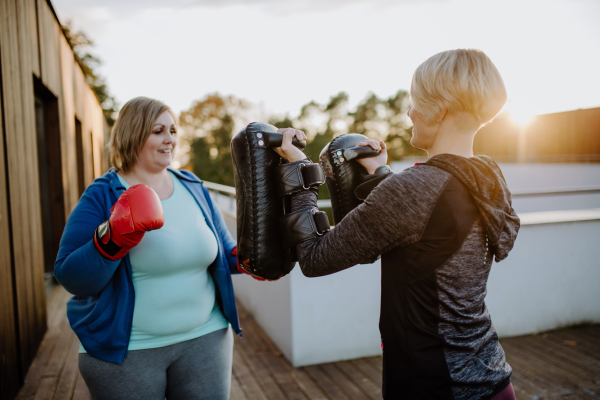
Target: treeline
column 208, row 126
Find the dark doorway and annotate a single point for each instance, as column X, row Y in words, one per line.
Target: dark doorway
column 79, row 149
column 50, row 171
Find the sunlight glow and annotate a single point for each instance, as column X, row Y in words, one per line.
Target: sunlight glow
column 520, row 113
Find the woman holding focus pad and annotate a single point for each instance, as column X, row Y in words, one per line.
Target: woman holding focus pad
column 437, row 227
column 149, row 260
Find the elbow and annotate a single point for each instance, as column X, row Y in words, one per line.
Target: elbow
column 308, row 270
column 77, row 289
column 76, row 285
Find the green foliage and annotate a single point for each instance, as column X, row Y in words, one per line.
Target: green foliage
column 80, row 43
column 209, row 125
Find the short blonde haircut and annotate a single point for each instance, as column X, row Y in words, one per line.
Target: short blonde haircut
column 460, row 80
column 132, row 129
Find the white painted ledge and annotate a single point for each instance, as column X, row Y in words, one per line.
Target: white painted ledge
column 556, row 217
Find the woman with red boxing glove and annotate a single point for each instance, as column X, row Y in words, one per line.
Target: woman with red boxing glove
column 149, row 259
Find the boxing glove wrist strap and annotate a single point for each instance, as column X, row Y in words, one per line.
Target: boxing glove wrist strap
column 369, row 183
column 297, row 176
column 303, row 225
column 104, row 244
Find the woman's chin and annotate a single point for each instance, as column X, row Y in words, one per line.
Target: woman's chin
column 415, row 143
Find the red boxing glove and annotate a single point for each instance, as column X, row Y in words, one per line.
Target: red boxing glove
column 242, row 270
column 137, row 211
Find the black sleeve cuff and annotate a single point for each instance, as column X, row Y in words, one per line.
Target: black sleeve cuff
column 363, row 190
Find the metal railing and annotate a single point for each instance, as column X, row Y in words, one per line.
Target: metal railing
column 556, row 191
column 230, row 192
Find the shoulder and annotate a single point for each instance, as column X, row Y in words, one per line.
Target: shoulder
column 420, row 180
column 184, row 174
column 101, row 187
column 99, row 193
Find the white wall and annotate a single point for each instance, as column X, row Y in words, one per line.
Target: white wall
column 526, row 177
column 549, row 280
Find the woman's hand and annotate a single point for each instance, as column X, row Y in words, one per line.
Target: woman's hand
column 288, row 151
column 372, row 163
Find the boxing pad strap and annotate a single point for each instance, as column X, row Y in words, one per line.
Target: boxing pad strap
column 297, row 176
column 303, row 225
column 363, row 190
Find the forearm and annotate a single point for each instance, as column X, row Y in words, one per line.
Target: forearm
column 79, row 267
column 359, row 238
column 84, row 271
column 394, row 214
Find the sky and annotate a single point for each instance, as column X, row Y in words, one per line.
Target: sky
column 282, row 54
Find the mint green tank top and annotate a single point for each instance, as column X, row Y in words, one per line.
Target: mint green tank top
column 174, row 292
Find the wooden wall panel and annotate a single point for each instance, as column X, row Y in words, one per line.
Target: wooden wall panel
column 34, row 48
column 32, row 44
column 79, row 91
column 98, row 141
column 35, row 240
column 16, row 114
column 50, row 35
column 82, row 105
column 67, row 115
column 94, row 131
column 9, row 357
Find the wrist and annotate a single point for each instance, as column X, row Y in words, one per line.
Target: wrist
column 382, row 170
column 105, row 244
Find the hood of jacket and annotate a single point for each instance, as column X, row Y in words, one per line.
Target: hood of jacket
column 484, row 180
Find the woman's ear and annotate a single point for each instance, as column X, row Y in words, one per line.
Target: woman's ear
column 442, row 113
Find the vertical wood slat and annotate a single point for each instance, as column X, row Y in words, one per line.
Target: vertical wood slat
column 33, row 35
column 26, row 45
column 50, row 35
column 32, row 44
column 17, row 179
column 67, row 120
column 80, row 110
column 8, row 336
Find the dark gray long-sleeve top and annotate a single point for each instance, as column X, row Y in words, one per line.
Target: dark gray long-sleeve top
column 395, row 216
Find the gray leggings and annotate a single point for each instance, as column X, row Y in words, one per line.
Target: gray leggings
column 196, row 369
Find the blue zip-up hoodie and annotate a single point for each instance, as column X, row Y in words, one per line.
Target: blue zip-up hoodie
column 101, row 311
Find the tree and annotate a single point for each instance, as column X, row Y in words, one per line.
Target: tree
column 208, row 127
column 387, row 120
column 400, row 128
column 80, row 43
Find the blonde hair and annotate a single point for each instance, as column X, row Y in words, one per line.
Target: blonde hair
column 132, row 129
column 460, row 80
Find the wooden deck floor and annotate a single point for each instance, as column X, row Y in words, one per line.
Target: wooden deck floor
column 562, row 364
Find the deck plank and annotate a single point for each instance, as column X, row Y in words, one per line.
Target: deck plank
column 247, row 381
column 559, row 381
column 331, row 390
column 343, row 382
column 553, row 365
column 368, row 370
column 46, row 388
column 299, row 385
column 368, row 386
column 270, row 388
column 271, row 358
column 81, row 391
column 68, row 376
column 236, row 391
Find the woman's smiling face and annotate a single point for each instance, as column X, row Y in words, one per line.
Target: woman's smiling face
column 157, row 152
